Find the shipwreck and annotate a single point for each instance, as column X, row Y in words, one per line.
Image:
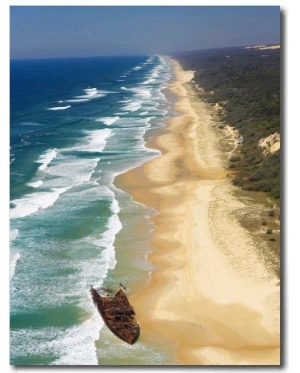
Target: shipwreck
column 118, row 315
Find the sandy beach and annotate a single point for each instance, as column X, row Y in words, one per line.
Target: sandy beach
column 211, row 293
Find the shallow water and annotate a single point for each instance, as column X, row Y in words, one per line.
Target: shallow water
column 75, row 125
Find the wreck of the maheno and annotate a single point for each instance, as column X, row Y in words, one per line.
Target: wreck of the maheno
column 118, row 315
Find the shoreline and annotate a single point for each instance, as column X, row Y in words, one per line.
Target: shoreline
column 210, row 293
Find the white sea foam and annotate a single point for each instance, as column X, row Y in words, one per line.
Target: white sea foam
column 149, row 60
column 36, row 184
column 108, row 120
column 31, row 203
column 13, row 263
column 142, row 92
column 13, row 234
column 95, row 141
column 89, row 94
column 59, row 107
column 69, row 171
column 46, row 159
column 107, row 239
column 78, row 100
column 25, row 142
column 132, row 106
column 115, row 208
column 151, row 78
column 75, row 345
column 126, row 123
column 149, row 81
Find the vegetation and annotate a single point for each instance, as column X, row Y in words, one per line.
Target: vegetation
column 246, row 85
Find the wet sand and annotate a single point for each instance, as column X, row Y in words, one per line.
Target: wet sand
column 210, row 293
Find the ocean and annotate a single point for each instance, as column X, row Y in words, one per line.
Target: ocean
column 75, row 124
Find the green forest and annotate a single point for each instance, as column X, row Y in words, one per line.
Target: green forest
column 246, row 84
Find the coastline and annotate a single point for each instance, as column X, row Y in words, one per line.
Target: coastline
column 210, row 293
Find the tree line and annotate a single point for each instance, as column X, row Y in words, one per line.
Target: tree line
column 246, row 85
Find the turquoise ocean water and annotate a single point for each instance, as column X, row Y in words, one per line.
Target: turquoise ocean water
column 75, row 124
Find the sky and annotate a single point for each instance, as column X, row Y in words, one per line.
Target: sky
column 79, row 31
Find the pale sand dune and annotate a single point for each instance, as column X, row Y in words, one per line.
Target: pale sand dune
column 210, row 293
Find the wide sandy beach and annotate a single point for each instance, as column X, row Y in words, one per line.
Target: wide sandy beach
column 211, row 293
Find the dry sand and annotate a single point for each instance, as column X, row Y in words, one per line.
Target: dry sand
column 210, row 293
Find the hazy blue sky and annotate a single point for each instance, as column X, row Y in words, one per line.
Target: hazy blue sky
column 67, row 31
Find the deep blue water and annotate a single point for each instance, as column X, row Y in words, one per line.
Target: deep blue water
column 74, row 125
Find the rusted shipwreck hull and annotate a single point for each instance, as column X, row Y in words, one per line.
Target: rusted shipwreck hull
column 118, row 315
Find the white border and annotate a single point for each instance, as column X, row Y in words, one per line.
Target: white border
column 290, row 249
